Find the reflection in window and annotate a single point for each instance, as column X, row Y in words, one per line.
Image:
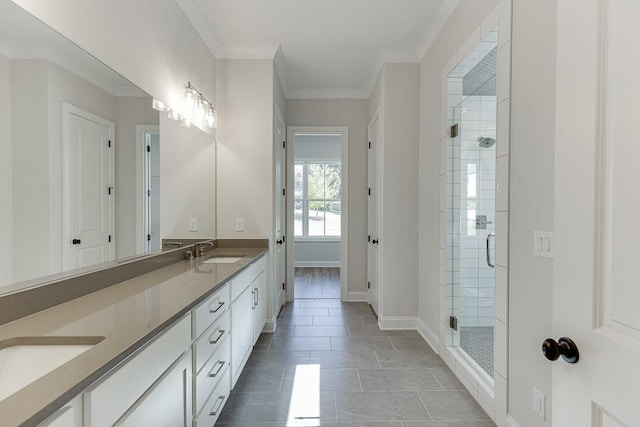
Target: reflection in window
column 471, row 199
column 317, row 199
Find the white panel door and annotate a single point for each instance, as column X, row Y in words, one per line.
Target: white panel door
column 596, row 290
column 88, row 190
column 373, row 191
column 281, row 209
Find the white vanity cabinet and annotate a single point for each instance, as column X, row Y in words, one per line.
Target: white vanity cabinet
column 130, row 390
column 248, row 314
column 70, row 415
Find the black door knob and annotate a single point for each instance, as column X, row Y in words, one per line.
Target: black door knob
column 279, row 242
column 374, row 241
column 565, row 347
column 76, row 241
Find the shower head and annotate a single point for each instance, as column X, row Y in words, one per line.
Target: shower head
column 486, row 142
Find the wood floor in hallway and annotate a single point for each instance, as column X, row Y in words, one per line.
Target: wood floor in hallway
column 316, row 282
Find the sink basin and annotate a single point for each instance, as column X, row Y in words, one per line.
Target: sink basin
column 23, row 360
column 222, row 260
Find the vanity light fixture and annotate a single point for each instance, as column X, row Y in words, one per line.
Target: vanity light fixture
column 197, row 109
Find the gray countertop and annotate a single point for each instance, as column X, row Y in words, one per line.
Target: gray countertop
column 127, row 314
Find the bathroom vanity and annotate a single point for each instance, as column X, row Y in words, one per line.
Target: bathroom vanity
column 163, row 348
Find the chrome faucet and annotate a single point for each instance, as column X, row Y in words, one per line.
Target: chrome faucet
column 200, row 247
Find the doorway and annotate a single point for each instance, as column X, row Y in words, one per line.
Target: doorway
column 148, row 189
column 317, row 182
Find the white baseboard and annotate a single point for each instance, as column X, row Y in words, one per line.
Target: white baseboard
column 317, row 263
column 271, row 324
column 397, row 322
column 360, row 296
column 429, row 335
column 511, row 422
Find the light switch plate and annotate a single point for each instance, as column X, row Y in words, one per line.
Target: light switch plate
column 193, row 224
column 539, row 403
column 239, row 224
column 543, row 244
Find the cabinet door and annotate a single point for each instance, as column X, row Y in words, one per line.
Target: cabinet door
column 167, row 402
column 259, row 312
column 241, row 330
column 70, row 415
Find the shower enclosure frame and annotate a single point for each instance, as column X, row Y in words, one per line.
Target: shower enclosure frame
column 492, row 397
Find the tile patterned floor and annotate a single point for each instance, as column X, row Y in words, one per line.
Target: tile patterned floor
column 367, row 377
column 477, row 342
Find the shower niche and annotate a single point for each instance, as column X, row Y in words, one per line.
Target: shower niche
column 471, row 205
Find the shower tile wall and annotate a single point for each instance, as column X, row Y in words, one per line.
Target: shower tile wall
column 477, row 118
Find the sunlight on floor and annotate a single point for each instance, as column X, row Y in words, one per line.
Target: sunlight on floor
column 304, row 406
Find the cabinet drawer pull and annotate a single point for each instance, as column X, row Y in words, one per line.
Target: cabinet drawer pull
column 257, row 296
column 220, row 335
column 220, row 304
column 220, row 364
column 217, row 406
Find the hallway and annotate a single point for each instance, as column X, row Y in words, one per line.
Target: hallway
column 367, row 377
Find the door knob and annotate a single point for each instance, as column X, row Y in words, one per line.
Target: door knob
column 374, row 241
column 565, row 347
column 279, row 242
column 76, row 241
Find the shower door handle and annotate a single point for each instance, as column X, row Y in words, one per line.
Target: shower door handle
column 489, row 236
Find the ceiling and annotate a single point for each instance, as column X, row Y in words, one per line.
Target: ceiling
column 322, row 49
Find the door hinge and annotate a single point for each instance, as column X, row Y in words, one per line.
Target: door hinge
column 368, row 285
column 284, row 144
column 369, row 144
column 369, row 190
column 109, row 190
column 109, row 143
column 148, row 237
column 282, row 285
column 453, row 322
column 454, row 131
column 148, row 193
column 284, row 191
column 109, row 238
column 283, row 238
column 148, row 148
column 368, row 239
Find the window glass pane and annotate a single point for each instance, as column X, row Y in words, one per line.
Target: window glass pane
column 297, row 217
column 316, row 218
column 332, row 181
column 332, row 219
column 298, row 176
column 315, row 181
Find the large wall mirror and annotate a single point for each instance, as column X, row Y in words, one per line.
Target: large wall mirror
column 89, row 172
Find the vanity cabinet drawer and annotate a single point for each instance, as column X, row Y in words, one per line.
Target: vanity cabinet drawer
column 213, row 406
column 210, row 341
column 107, row 400
column 215, row 370
column 240, row 283
column 207, row 312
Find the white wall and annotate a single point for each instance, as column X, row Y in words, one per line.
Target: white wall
column 130, row 111
column 187, row 181
column 351, row 113
column 6, row 174
column 153, row 44
column 317, row 254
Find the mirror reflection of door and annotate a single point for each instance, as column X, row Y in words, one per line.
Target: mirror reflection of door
column 88, row 189
column 372, row 239
column 152, row 192
column 281, row 224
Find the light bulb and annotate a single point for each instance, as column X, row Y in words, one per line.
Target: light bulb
column 174, row 115
column 159, row 105
column 210, row 118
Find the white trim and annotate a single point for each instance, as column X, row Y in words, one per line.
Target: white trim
column 356, row 296
column 317, row 264
column 435, row 26
column 328, row 93
column 390, row 323
column 141, row 187
column 319, row 239
column 511, row 422
column 429, row 335
column 379, row 116
column 271, row 324
column 344, row 217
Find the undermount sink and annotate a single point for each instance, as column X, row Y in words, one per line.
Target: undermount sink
column 222, row 260
column 23, row 360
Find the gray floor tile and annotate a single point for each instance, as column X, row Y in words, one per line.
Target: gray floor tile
column 409, row 359
column 284, row 330
column 447, row 379
column 345, row 359
column 277, row 359
column 372, row 330
column 361, row 343
column 351, row 311
column 330, row 380
column 363, row 424
column 300, row 343
column 379, row 406
column 259, row 380
column 234, row 408
column 296, row 311
column 275, row 407
column 408, row 343
column 401, row 379
column 239, row 424
column 452, row 405
column 448, row 424
column 337, row 320
column 370, row 320
column 321, row 331
column 287, row 320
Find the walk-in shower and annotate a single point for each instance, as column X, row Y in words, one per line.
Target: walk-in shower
column 471, row 183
